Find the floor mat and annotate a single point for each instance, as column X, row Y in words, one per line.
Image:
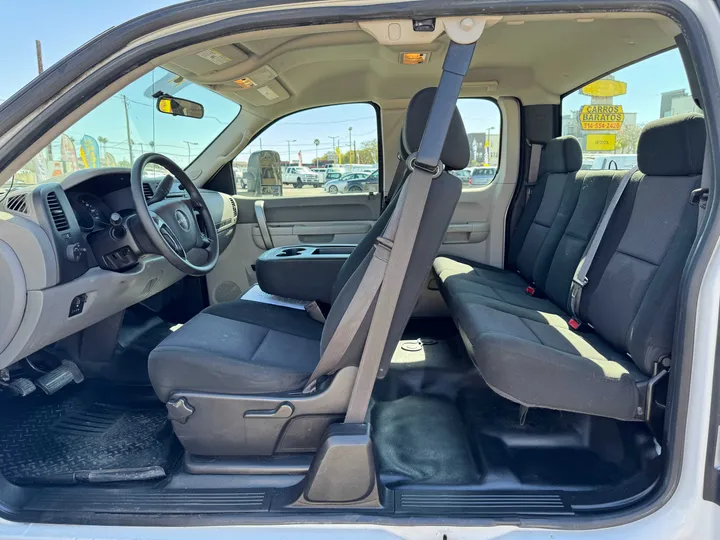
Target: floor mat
column 422, row 439
column 90, row 427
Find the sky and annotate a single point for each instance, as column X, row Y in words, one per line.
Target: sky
column 61, row 25
column 646, row 80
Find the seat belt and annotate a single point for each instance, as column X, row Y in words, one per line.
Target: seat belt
column 424, row 167
column 580, row 280
column 533, row 169
column 396, row 181
column 699, row 196
column 384, row 277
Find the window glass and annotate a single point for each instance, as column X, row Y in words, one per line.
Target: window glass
column 330, row 150
column 128, row 125
column 482, row 123
column 608, row 114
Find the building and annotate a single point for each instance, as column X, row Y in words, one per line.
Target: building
column 677, row 102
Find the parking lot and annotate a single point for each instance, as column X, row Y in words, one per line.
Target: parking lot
column 305, row 191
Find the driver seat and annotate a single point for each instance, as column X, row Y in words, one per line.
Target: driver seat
column 233, row 376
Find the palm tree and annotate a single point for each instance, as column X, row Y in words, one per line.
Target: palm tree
column 103, row 141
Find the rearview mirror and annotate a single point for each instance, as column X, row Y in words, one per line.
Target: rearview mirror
column 180, row 107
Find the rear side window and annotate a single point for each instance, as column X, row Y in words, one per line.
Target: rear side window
column 331, row 150
column 482, row 123
column 608, row 114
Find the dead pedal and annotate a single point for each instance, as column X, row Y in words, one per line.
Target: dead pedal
column 60, row 377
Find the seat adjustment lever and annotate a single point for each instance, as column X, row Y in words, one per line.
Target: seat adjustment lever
column 284, row 410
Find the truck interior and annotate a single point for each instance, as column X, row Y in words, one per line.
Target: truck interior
column 196, row 337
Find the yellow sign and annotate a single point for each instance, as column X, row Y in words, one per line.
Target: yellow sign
column 245, row 83
column 605, row 141
column 601, row 117
column 605, row 88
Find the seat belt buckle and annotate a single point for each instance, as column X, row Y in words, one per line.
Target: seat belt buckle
column 530, row 290
column 699, row 197
column 574, row 323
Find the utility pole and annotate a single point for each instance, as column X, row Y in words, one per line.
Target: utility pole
column 352, row 157
column 316, row 142
column 38, row 53
column 189, row 152
column 260, row 141
column 333, row 146
column 290, row 141
column 127, row 128
column 357, row 161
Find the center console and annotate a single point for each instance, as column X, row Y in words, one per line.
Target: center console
column 305, row 272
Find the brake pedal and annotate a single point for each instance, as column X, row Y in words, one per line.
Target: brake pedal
column 60, row 377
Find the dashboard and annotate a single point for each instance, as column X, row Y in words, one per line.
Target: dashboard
column 63, row 264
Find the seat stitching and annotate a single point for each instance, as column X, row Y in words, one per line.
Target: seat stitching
column 259, row 346
column 636, row 257
column 522, row 320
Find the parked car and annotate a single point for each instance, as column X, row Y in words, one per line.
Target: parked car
column 465, row 175
column 482, row 176
column 299, row 176
column 370, row 183
column 341, row 184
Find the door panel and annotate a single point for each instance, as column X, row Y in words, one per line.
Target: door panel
column 334, row 219
column 477, row 228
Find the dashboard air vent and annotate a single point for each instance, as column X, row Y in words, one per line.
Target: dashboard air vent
column 56, row 211
column 148, row 191
column 17, row 203
column 234, row 207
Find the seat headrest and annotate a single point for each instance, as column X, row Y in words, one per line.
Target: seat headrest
column 561, row 155
column 672, row 146
column 456, row 152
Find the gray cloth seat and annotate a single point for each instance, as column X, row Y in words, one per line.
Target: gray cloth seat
column 238, row 347
column 525, row 349
column 250, row 348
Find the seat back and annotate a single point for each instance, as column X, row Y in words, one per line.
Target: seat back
column 632, row 291
column 548, row 210
column 442, row 200
column 455, row 152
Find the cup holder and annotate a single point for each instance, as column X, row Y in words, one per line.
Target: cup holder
column 291, row 252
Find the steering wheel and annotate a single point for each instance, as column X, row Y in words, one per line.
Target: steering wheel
column 171, row 224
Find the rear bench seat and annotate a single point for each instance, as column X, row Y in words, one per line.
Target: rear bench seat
column 522, row 344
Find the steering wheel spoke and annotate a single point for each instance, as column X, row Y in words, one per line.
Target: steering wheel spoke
column 176, row 228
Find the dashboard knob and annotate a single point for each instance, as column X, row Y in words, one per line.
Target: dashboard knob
column 115, row 219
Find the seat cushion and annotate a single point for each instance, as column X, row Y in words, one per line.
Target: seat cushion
column 542, row 363
column 455, row 270
column 238, row 348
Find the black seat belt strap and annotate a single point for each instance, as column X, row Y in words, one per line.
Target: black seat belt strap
column 533, row 169
column 425, row 166
column 581, row 272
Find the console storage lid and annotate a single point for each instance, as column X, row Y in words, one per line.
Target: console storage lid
column 303, row 272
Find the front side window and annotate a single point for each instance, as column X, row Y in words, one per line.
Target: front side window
column 128, row 125
column 607, row 115
column 317, row 152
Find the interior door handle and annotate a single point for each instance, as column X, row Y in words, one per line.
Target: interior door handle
column 262, row 224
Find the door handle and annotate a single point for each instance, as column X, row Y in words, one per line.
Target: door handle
column 262, row 224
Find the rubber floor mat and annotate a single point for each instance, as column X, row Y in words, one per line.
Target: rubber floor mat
column 84, row 428
column 422, row 439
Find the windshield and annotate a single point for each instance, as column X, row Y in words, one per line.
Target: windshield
column 128, row 125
